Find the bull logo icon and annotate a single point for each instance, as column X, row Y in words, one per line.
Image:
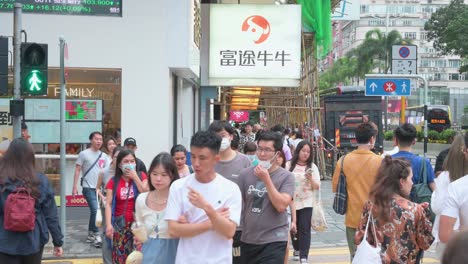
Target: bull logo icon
column 257, row 27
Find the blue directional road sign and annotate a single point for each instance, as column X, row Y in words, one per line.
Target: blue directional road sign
column 387, row 87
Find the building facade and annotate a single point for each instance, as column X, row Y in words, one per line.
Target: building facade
column 446, row 85
column 143, row 64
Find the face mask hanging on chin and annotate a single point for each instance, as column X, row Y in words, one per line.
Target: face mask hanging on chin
column 266, row 164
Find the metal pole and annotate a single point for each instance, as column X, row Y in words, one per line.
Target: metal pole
column 387, row 21
column 17, row 25
column 62, row 139
column 426, row 103
column 403, row 110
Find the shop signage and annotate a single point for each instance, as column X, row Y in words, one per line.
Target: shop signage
column 239, row 116
column 76, row 201
column 255, row 45
column 82, row 92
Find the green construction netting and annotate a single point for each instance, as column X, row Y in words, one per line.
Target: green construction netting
column 316, row 17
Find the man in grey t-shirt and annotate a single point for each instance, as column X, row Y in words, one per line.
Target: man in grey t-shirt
column 89, row 163
column 267, row 189
column 230, row 164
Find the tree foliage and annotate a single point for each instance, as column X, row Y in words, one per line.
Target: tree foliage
column 374, row 54
column 448, row 29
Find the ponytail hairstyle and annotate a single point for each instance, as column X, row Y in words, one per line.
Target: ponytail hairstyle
column 387, row 184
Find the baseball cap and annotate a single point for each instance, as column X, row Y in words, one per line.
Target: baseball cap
column 130, row 141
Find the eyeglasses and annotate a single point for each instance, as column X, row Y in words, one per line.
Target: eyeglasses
column 260, row 150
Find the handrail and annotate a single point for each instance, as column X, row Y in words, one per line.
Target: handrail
column 55, row 156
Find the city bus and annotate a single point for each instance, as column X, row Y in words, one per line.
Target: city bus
column 438, row 117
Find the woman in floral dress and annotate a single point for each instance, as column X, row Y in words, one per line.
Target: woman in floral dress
column 402, row 227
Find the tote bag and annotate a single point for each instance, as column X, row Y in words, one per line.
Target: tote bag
column 318, row 222
column 366, row 253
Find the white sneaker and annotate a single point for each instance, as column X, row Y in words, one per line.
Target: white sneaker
column 304, row 261
column 296, row 255
column 90, row 238
column 98, row 241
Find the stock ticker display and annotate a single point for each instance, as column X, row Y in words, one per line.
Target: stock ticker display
column 66, row 7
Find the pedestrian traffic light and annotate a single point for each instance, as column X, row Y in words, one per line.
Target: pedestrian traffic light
column 34, row 69
column 3, row 66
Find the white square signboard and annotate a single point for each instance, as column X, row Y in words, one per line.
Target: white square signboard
column 255, row 45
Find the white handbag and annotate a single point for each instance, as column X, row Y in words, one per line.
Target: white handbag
column 318, row 222
column 366, row 253
column 98, row 213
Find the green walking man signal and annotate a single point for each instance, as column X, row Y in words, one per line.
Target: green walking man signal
column 34, row 81
column 34, row 68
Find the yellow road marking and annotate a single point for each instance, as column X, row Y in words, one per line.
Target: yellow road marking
column 75, row 261
column 314, row 252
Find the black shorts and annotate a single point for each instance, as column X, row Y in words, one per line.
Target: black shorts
column 271, row 253
column 236, row 250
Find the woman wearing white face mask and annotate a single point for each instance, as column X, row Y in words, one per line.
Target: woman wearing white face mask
column 122, row 191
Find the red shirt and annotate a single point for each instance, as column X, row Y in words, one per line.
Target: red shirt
column 121, row 191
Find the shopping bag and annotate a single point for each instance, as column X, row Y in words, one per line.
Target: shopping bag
column 136, row 257
column 98, row 213
column 366, row 253
column 318, row 222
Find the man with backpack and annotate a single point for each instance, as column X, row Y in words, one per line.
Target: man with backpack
column 405, row 137
column 89, row 163
column 423, row 174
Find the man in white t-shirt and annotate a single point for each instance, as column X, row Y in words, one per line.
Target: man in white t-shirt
column 230, row 164
column 89, row 164
column 204, row 208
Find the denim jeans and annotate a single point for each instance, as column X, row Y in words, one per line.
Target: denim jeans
column 90, row 196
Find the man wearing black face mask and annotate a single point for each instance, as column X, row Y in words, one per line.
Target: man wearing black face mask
column 229, row 165
column 267, row 189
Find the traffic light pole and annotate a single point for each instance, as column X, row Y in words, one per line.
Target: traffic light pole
column 63, row 164
column 17, row 25
column 426, row 101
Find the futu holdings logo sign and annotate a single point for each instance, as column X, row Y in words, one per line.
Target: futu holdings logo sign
column 258, row 28
column 253, row 45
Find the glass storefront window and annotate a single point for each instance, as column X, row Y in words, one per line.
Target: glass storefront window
column 88, row 84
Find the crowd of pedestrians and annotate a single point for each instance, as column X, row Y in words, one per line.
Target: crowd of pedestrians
column 245, row 203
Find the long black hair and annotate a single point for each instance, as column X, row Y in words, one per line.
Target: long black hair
column 295, row 157
column 17, row 166
column 167, row 162
column 118, row 170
